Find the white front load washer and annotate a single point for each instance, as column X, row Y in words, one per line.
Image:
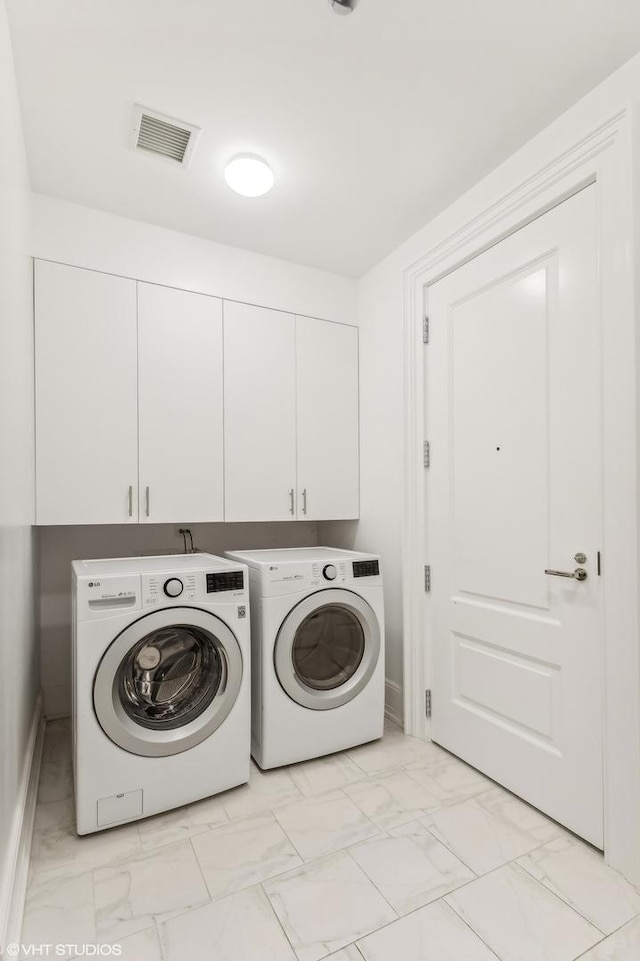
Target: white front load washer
column 317, row 647
column 161, row 684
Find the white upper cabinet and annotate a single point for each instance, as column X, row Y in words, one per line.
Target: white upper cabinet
column 327, row 420
column 86, row 397
column 291, row 416
column 180, row 406
column 157, row 405
column 259, row 413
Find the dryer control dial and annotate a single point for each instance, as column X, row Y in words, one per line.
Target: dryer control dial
column 173, row 587
column 329, row 572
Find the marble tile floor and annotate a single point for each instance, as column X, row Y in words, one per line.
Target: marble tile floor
column 392, row 850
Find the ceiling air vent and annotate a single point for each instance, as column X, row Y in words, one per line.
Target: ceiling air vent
column 164, row 136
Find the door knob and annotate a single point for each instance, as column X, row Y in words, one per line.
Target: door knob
column 578, row 575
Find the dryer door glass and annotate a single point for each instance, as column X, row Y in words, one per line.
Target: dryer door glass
column 170, row 677
column 328, row 648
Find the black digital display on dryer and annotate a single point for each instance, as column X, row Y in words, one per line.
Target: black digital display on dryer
column 225, row 581
column 366, row 568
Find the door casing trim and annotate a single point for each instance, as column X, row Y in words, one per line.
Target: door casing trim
column 603, row 156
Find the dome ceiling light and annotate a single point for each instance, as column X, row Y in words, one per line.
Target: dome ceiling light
column 343, row 6
column 249, row 175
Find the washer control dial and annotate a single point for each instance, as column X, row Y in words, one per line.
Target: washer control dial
column 173, row 587
column 329, row 572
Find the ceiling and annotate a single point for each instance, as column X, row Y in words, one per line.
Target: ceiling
column 372, row 123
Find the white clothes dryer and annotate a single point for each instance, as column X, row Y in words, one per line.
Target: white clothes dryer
column 161, row 684
column 317, row 647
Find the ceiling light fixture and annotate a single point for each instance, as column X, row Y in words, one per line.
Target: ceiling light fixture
column 343, row 6
column 249, row 175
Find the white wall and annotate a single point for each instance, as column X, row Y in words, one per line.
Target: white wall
column 18, row 657
column 84, row 237
column 77, row 235
column 381, row 334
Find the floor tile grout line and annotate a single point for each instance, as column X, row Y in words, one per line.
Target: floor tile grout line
column 376, row 829
column 358, row 937
column 156, row 927
column 440, row 901
column 418, row 907
column 478, row 877
column 200, row 869
column 453, row 908
column 450, row 849
column 290, row 840
column 95, row 904
column 524, row 854
column 606, row 938
column 276, row 916
column 556, row 894
column 371, row 881
column 515, row 864
column 636, row 917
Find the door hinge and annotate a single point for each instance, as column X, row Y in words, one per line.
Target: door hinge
column 426, row 450
column 427, row 703
column 425, row 330
column 427, row 578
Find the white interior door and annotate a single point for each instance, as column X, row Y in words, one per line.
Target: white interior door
column 86, row 397
column 513, row 411
column 180, row 405
column 259, row 413
column 327, row 388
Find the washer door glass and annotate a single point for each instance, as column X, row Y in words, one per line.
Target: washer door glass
column 170, row 677
column 327, row 649
column 168, row 681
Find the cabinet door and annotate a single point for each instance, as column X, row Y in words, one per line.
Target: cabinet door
column 86, row 400
column 328, row 438
column 259, row 413
column 180, row 405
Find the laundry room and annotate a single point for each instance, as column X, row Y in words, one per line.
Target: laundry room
column 319, row 480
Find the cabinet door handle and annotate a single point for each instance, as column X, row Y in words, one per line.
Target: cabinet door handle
column 304, row 501
column 146, row 500
column 130, row 500
column 292, row 508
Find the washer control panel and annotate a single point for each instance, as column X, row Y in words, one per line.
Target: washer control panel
column 225, row 581
column 187, row 587
column 158, row 589
column 173, row 587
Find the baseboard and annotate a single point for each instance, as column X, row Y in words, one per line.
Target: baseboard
column 393, row 702
column 19, row 847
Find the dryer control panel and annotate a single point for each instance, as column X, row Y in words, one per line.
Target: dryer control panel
column 335, row 572
column 326, row 572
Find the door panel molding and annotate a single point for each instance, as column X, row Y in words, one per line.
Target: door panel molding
column 603, row 155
